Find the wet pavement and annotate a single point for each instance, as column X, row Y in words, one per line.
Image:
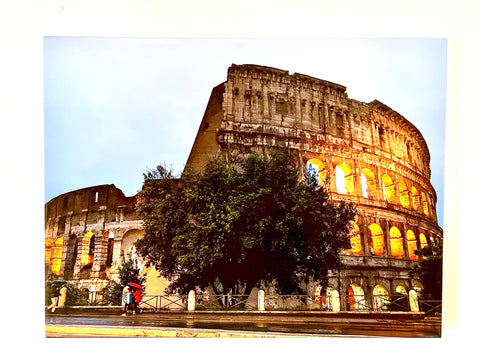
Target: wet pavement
column 263, row 325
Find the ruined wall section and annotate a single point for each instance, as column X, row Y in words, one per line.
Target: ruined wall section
column 205, row 146
column 101, row 215
column 270, row 103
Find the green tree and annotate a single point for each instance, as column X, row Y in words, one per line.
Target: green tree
column 128, row 271
column 429, row 269
column 241, row 224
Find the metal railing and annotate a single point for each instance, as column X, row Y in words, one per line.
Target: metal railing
column 431, row 307
column 356, row 303
column 223, row 302
column 378, row 303
column 163, row 302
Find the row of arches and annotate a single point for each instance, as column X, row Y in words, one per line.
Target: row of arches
column 407, row 196
column 77, row 256
column 401, row 246
column 355, row 299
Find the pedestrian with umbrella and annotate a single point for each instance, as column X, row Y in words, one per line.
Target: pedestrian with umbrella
column 137, row 297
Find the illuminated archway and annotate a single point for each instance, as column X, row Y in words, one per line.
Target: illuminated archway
column 320, row 170
column 403, row 190
column 369, row 186
column 48, row 251
column 355, row 298
column 57, row 256
column 412, row 245
column 323, row 297
column 381, row 298
column 355, row 240
column 423, row 241
column 88, row 248
column 376, row 242
column 388, row 188
column 415, row 198
column 401, row 290
column 396, row 243
column 425, row 204
column 344, row 179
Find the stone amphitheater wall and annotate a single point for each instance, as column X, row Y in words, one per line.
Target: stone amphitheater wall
column 384, row 162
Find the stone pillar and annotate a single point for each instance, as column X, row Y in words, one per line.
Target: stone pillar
column 191, row 301
column 261, row 300
column 387, row 240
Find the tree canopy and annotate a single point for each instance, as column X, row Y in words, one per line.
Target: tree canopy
column 241, row 224
column 429, row 269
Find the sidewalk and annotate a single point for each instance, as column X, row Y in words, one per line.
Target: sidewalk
column 155, row 332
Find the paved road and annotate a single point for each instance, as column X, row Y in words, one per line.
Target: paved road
column 159, row 323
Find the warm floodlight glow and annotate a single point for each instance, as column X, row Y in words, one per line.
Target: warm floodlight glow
column 388, row 188
column 396, row 243
column 404, row 195
column 412, row 245
column 377, row 245
column 321, row 172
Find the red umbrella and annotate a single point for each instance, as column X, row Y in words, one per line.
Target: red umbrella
column 135, row 285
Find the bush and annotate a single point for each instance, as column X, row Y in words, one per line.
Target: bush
column 75, row 296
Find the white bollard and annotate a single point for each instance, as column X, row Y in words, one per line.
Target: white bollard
column 63, row 297
column 261, row 300
column 191, row 301
column 413, row 296
column 335, row 299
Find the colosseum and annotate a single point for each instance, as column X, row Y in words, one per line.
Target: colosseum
column 365, row 153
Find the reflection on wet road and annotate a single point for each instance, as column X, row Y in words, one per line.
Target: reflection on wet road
column 371, row 328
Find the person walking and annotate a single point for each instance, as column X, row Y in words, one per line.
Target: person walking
column 137, row 297
column 128, row 300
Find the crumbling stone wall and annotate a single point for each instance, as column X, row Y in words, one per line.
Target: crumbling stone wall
column 99, row 217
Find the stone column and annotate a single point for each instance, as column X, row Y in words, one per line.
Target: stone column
column 387, row 240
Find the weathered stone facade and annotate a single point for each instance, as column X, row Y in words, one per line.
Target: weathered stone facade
column 85, row 232
column 365, row 153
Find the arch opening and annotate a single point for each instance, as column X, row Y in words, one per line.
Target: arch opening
column 319, row 170
column 388, row 188
column 344, row 179
column 369, row 186
column 415, row 198
column 381, row 298
column 355, row 240
column 404, row 194
column 412, row 245
column 376, row 241
column 355, row 299
column 396, row 243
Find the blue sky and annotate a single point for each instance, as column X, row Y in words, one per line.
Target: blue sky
column 116, row 107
